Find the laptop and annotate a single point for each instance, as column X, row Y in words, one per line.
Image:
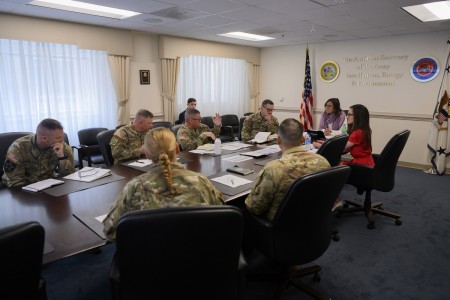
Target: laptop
column 316, row 135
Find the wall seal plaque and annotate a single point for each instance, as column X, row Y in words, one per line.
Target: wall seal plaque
column 425, row 69
column 329, row 71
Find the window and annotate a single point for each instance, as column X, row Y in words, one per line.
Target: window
column 45, row 80
column 220, row 85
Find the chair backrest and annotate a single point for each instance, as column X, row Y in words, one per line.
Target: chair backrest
column 89, row 148
column 21, row 251
column 386, row 161
column 248, row 114
column 302, row 225
column 231, row 120
column 103, row 139
column 208, row 121
column 165, row 124
column 6, row 139
column 241, row 124
column 88, row 136
column 333, row 148
column 180, row 252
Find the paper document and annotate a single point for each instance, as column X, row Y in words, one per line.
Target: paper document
column 141, row 163
column 231, row 180
column 263, row 152
column 237, row 158
column 42, row 185
column 88, row 174
column 234, row 146
column 101, row 218
column 261, row 137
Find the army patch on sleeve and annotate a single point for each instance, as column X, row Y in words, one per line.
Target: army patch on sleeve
column 9, row 166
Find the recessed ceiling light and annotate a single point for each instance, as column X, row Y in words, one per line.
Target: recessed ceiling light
column 435, row 11
column 85, row 8
column 246, row 36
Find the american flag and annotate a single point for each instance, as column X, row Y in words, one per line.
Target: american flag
column 307, row 104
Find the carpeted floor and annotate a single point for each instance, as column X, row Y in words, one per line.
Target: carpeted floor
column 411, row 261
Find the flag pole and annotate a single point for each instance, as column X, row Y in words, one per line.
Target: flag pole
column 438, row 140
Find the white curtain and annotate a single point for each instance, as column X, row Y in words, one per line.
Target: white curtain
column 120, row 72
column 43, row 80
column 220, row 85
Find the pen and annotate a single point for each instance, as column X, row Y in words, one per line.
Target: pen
column 139, row 162
column 232, row 181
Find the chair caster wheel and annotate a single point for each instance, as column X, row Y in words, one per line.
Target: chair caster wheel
column 371, row 225
column 398, row 222
column 336, row 237
column 316, row 277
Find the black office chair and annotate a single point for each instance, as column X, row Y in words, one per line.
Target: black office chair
column 76, row 163
column 165, row 124
column 248, row 114
column 380, row 178
column 21, row 251
column 208, row 121
column 241, row 124
column 333, row 148
column 6, row 139
column 175, row 129
column 300, row 230
column 89, row 149
column 179, row 253
column 103, row 139
column 230, row 126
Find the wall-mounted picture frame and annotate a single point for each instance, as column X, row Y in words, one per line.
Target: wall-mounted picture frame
column 145, row 76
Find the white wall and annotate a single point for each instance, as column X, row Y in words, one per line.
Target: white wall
column 407, row 103
column 145, row 57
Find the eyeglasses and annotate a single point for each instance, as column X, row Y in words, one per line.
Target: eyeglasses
column 329, row 105
column 268, row 109
column 349, row 115
column 85, row 172
column 195, row 119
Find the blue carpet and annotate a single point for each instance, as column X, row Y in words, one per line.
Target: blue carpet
column 411, row 261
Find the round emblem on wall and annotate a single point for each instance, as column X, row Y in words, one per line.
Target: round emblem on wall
column 425, row 69
column 329, row 71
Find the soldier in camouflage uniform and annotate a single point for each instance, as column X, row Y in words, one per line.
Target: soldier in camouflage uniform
column 128, row 141
column 167, row 184
column 262, row 121
column 276, row 177
column 38, row 156
column 193, row 133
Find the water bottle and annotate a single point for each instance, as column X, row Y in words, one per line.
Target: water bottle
column 307, row 142
column 217, row 146
column 344, row 128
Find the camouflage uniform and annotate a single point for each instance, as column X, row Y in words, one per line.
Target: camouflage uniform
column 26, row 164
column 126, row 143
column 150, row 190
column 190, row 139
column 276, row 177
column 256, row 123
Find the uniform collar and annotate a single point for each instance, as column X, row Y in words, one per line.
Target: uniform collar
column 294, row 150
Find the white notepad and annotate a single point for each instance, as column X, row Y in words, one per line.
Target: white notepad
column 42, row 185
column 88, row 174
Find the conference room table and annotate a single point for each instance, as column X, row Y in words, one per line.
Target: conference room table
column 66, row 235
